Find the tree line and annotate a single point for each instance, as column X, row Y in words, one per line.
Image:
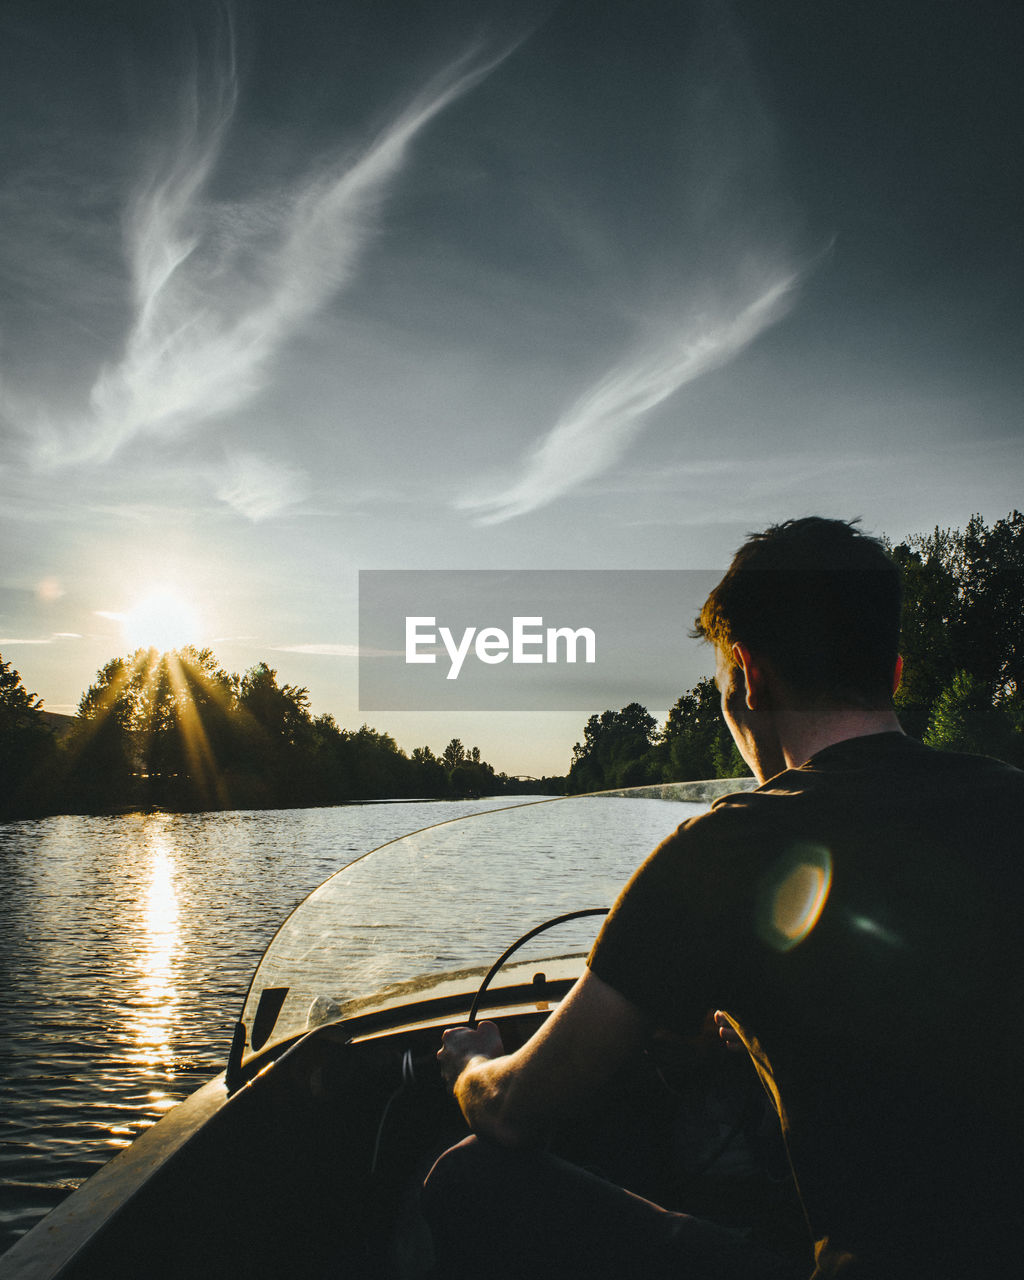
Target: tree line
column 963, row 671
column 176, row 731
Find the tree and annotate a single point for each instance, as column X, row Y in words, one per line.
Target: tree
column 472, row 776
column 471, row 779
column 103, row 769
column 963, row 612
column 617, row 751
column 696, row 740
column 965, row 718
column 27, row 747
column 280, row 711
column 189, row 734
column 381, row 770
column 431, row 777
column 15, row 700
column 329, row 775
column 155, row 728
column 991, row 583
column 931, row 612
column 271, row 740
column 453, row 754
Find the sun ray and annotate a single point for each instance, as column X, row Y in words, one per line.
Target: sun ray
column 199, row 757
column 160, row 718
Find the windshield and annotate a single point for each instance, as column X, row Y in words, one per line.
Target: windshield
column 445, row 901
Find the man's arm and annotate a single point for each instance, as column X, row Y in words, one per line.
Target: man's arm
column 515, row 1098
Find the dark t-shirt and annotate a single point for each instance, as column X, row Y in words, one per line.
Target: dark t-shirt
column 860, row 920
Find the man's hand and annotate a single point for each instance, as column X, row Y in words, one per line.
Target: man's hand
column 516, row 1098
column 461, row 1045
column 728, row 1033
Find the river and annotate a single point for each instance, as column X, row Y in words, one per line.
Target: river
column 126, row 948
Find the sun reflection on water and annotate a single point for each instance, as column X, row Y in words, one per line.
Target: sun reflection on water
column 156, row 997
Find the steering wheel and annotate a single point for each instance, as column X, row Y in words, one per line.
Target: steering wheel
column 548, row 924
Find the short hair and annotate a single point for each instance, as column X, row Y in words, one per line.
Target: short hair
column 819, row 600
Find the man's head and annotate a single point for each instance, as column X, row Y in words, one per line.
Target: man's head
column 819, row 603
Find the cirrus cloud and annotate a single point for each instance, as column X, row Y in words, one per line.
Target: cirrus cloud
column 217, row 290
column 599, row 427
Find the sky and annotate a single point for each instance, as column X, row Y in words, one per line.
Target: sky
column 293, row 291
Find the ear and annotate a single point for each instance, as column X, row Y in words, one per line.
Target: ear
column 897, row 672
column 753, row 675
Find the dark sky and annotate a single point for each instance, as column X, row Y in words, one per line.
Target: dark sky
column 287, row 291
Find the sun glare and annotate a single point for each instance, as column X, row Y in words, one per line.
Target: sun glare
column 161, row 621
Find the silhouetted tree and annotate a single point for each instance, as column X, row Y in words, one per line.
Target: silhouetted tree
column 27, row 747
column 329, row 775
column 175, row 730
column 617, row 751
column 103, row 766
column 453, row 754
column 931, row 611
column 201, row 726
column 271, row 739
column 990, row 578
column 472, row 777
column 280, row 711
column 382, row 771
column 963, row 612
column 431, row 777
column 153, row 729
column 696, row 740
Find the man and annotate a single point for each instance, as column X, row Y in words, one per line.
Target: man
column 856, row 920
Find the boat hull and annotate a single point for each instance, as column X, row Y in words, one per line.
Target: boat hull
column 298, row 1172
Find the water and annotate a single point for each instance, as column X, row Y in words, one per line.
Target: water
column 126, row 947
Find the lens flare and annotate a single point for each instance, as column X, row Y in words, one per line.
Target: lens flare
column 793, row 895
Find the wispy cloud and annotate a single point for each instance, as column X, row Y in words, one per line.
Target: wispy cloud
column 259, row 487
column 718, row 266
column 218, row 290
column 599, row 427
column 57, row 635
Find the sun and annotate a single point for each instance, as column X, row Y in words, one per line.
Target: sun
column 161, row 620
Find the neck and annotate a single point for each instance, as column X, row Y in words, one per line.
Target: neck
column 801, row 734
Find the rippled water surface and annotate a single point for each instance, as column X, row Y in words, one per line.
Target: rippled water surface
column 126, row 947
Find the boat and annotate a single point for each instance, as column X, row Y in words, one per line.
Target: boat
column 303, row 1157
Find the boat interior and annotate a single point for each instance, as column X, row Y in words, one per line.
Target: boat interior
column 311, row 1167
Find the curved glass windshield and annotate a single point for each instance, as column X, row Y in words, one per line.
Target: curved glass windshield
column 444, row 902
